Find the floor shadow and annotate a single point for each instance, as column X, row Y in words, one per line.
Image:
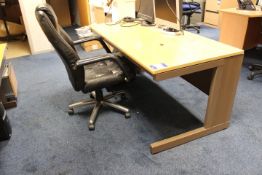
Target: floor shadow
column 153, row 108
column 253, row 56
column 3, row 144
column 166, row 115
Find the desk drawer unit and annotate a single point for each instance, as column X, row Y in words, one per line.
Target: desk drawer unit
column 211, row 17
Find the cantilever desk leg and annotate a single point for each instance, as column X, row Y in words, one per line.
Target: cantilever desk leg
column 220, row 102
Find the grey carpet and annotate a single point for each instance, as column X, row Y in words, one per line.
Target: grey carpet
column 46, row 140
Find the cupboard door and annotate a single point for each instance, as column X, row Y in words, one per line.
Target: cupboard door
column 211, row 18
column 61, row 8
column 212, row 5
column 84, row 12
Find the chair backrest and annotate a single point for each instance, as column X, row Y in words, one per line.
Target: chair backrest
column 62, row 44
column 190, row 6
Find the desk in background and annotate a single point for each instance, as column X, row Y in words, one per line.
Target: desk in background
column 61, row 8
column 2, row 59
column 5, row 127
column 213, row 7
column 241, row 28
column 211, row 66
column 8, row 82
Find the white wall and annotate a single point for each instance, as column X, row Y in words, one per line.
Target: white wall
column 36, row 38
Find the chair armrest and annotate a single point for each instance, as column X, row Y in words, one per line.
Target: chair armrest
column 93, row 38
column 108, row 56
column 87, row 39
column 86, row 61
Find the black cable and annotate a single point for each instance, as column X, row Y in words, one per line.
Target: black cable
column 129, row 24
column 115, row 23
column 124, row 23
column 179, row 20
column 109, row 9
column 139, row 6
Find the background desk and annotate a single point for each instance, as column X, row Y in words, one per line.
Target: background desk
column 8, row 82
column 2, row 59
column 211, row 66
column 5, row 127
column 241, row 28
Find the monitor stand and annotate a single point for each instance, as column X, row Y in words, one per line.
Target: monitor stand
column 170, row 29
column 146, row 23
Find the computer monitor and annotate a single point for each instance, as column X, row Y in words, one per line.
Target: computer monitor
column 165, row 16
column 146, row 10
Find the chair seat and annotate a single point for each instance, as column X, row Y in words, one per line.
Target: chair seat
column 190, row 7
column 191, row 12
column 102, row 74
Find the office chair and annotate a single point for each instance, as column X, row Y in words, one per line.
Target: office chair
column 4, row 5
column 190, row 8
column 255, row 69
column 90, row 74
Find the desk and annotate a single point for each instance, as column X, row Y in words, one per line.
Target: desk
column 5, row 127
column 211, row 66
column 241, row 28
column 2, row 68
column 8, row 90
column 62, row 11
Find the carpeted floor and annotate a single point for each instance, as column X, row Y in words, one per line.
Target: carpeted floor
column 46, row 140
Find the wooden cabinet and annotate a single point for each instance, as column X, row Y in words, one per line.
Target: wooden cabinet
column 213, row 7
column 84, row 12
column 8, row 90
column 61, row 8
column 211, row 17
column 212, row 11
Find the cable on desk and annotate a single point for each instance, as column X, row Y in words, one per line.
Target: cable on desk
column 129, row 24
column 126, row 22
column 115, row 23
column 179, row 20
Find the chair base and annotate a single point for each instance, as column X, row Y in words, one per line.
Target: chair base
column 256, row 69
column 98, row 100
column 188, row 24
column 197, row 28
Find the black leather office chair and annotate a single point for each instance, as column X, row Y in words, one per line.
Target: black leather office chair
column 86, row 75
column 255, row 69
column 190, row 8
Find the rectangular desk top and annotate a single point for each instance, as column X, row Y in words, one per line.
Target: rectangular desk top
column 248, row 13
column 157, row 51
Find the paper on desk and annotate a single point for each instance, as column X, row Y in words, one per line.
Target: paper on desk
column 158, row 66
column 83, row 32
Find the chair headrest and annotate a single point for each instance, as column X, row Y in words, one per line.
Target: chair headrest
column 48, row 10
